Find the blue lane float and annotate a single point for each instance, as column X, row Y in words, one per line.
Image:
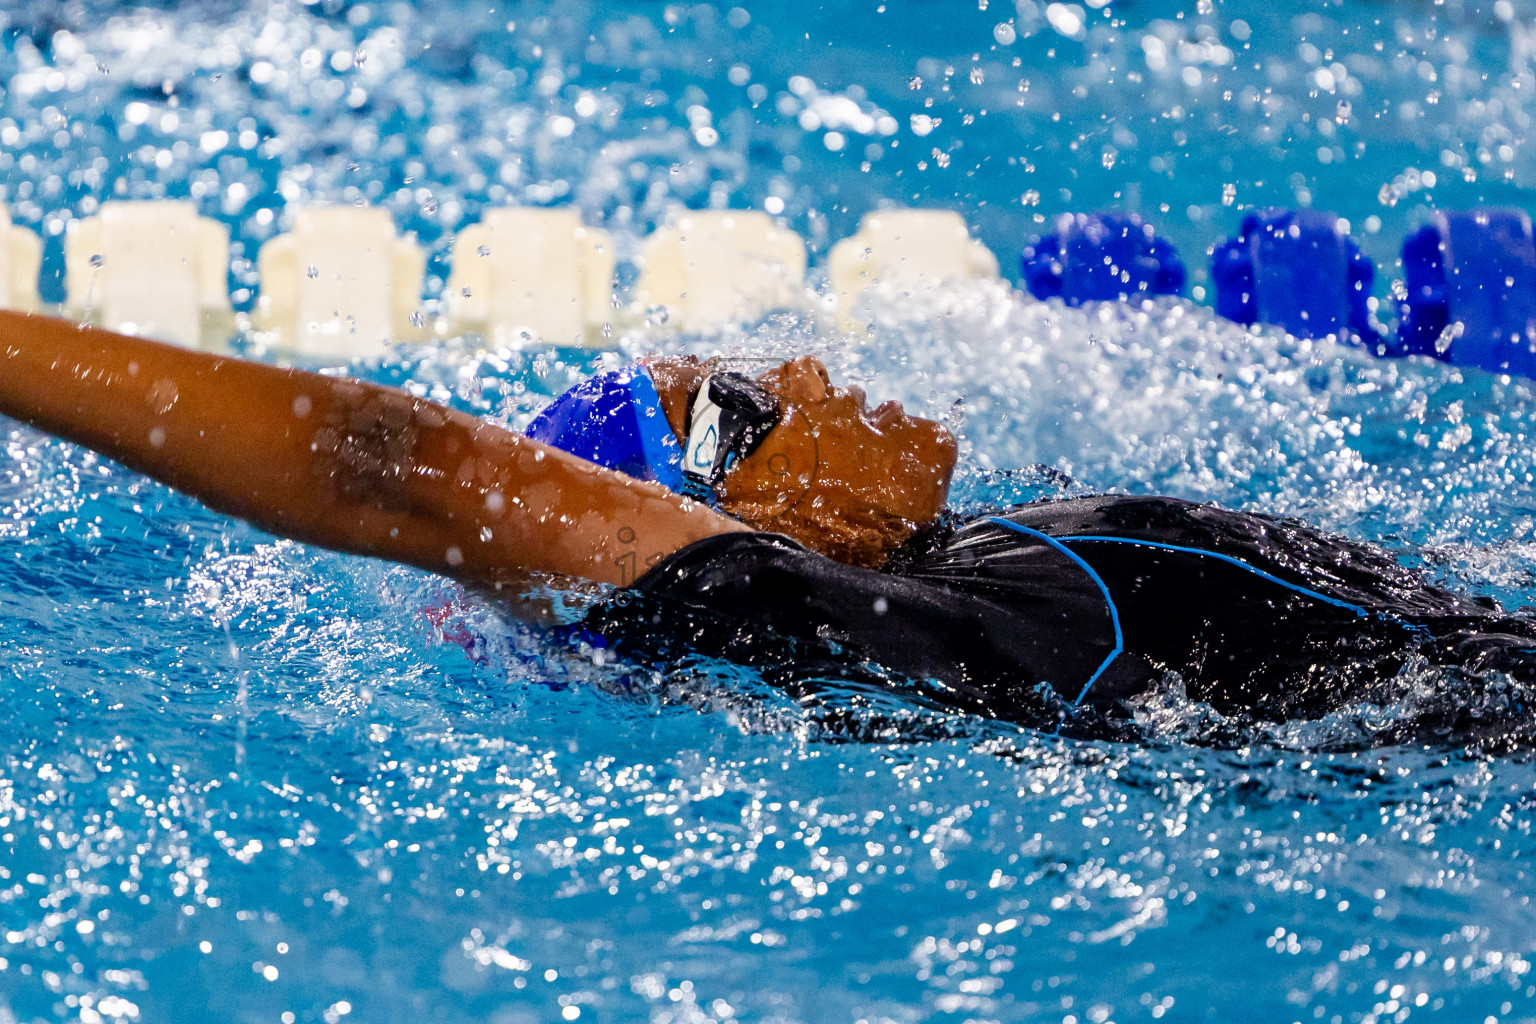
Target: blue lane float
column 1296, row 269
column 614, row 419
column 1096, row 257
column 1471, row 282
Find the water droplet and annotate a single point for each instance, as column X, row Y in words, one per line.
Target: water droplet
column 96, row 261
column 484, row 250
column 978, row 76
column 1228, row 194
column 956, row 417
column 312, row 272
column 915, row 83
column 1448, row 336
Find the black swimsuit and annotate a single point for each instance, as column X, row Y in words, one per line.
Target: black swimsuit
column 1097, row 598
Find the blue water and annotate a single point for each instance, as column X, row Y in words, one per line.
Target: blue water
column 241, row 779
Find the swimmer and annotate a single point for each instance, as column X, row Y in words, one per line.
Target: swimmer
column 810, row 537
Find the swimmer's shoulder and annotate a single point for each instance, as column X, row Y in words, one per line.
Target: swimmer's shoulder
column 984, row 627
column 710, row 562
column 977, row 554
column 992, row 533
column 713, row 560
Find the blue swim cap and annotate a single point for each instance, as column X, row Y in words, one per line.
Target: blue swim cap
column 614, row 419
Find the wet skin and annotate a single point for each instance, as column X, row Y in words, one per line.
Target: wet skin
column 372, row 470
column 841, row 478
column 340, row 463
column 878, row 462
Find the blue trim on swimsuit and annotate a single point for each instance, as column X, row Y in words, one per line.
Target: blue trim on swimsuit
column 1060, row 544
column 1305, row 591
column 1114, row 613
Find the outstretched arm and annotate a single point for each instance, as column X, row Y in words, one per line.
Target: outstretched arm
column 344, row 464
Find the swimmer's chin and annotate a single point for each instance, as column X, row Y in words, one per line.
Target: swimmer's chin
column 866, row 540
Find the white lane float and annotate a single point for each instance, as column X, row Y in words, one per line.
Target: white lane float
column 904, row 254
column 710, row 269
column 529, row 274
column 340, row 284
column 21, row 260
column 152, row 268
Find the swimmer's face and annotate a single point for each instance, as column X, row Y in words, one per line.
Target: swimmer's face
column 838, row 476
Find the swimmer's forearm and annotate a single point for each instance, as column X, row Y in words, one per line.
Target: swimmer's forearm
column 340, row 463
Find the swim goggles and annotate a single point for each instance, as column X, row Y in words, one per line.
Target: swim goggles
column 615, row 419
column 729, row 418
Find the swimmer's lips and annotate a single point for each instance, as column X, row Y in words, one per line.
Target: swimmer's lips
column 886, row 415
column 883, row 417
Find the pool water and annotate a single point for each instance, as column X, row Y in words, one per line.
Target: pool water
column 246, row 780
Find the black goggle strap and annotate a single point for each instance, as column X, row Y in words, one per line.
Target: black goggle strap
column 730, row 417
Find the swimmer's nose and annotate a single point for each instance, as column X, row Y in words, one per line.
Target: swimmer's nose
column 805, row 379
